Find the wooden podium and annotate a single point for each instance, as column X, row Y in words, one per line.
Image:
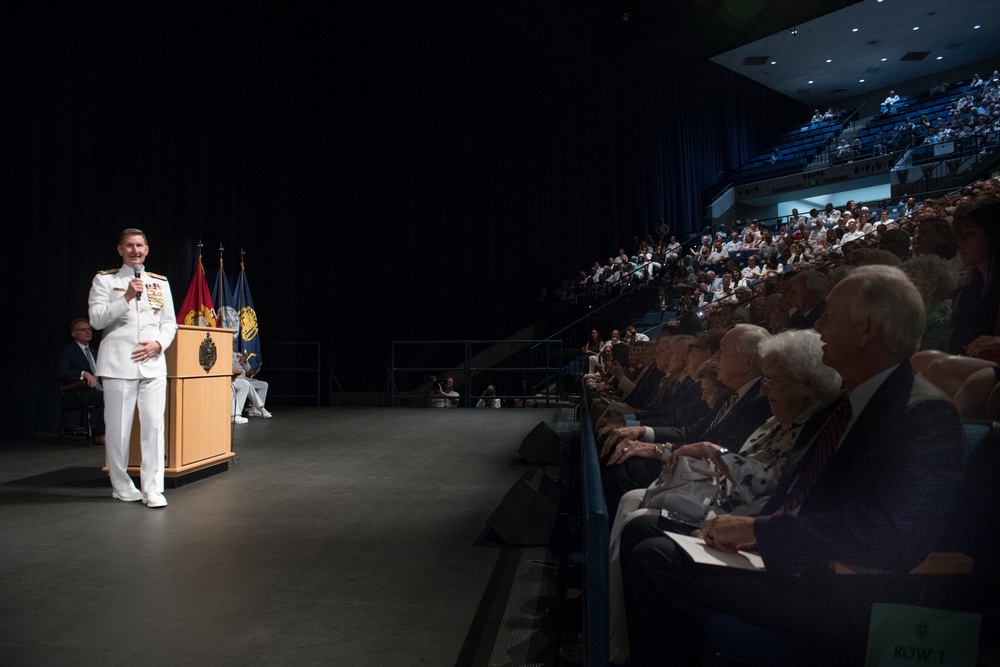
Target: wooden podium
column 199, row 394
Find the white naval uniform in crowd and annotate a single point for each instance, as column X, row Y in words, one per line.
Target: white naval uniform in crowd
column 126, row 383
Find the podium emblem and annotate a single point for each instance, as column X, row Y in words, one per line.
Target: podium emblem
column 207, row 354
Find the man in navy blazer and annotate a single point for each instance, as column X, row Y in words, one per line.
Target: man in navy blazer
column 874, row 502
column 74, row 368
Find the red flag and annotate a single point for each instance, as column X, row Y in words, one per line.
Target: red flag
column 197, row 309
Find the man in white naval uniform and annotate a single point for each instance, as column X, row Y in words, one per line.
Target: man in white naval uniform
column 136, row 311
column 245, row 387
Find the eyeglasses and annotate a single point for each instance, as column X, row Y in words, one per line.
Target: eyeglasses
column 766, row 381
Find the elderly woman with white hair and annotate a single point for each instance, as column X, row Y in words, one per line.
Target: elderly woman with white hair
column 798, row 386
column 799, row 389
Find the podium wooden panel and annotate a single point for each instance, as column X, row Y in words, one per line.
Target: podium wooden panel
column 198, row 430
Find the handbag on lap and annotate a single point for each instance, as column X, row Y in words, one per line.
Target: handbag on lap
column 689, row 492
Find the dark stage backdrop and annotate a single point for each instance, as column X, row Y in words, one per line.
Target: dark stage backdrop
column 390, row 170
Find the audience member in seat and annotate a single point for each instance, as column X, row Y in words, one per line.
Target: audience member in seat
column 806, row 292
column 977, row 237
column 75, row 368
column 592, row 349
column 246, row 388
column 935, row 281
column 850, row 504
column 751, row 271
column 891, row 103
column 598, row 376
column 635, row 454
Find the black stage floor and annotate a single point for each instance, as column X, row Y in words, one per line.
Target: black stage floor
column 343, row 536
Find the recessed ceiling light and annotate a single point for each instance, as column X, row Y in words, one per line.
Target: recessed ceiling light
column 939, row 58
column 916, row 27
column 976, row 27
column 884, row 59
column 854, row 29
column 810, row 81
column 774, row 62
column 861, row 80
column 829, row 60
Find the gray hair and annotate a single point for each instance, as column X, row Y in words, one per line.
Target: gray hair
column 933, row 277
column 800, row 354
column 682, row 339
column 894, row 305
column 748, row 344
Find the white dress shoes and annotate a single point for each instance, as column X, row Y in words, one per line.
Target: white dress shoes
column 129, row 496
column 154, row 499
column 240, row 419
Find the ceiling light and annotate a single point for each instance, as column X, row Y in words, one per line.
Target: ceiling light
column 976, row 27
column 916, row 27
column 828, row 60
column 861, row 80
column 939, row 58
column 884, row 59
column 854, row 29
column 774, row 62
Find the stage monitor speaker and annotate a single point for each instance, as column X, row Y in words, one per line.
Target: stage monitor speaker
column 527, row 514
column 541, row 446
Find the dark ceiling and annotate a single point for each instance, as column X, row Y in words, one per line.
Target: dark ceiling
column 680, row 33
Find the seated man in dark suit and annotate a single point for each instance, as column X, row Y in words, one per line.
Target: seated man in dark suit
column 75, row 371
column 870, row 496
column 807, row 292
column 636, row 454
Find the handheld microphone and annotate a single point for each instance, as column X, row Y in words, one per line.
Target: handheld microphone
column 138, row 273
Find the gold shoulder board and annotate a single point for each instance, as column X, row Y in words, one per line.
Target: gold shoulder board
column 107, row 272
column 156, row 275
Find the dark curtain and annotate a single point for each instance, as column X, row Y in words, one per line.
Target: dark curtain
column 389, row 170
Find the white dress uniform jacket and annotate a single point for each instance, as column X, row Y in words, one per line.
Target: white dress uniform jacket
column 124, row 325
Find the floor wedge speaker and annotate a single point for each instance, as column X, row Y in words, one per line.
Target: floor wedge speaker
column 541, row 446
column 527, row 513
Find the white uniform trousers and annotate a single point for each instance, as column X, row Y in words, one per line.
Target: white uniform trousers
column 244, row 388
column 120, row 399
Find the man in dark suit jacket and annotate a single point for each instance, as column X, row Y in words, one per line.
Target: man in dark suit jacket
column 807, row 292
column 636, row 454
column 75, row 372
column 874, row 502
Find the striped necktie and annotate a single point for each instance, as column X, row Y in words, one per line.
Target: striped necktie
column 90, row 360
column 822, row 453
column 724, row 410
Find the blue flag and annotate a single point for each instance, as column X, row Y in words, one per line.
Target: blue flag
column 225, row 302
column 249, row 340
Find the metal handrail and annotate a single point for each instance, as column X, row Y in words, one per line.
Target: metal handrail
column 472, row 365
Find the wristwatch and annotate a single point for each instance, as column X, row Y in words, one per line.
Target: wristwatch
column 659, row 448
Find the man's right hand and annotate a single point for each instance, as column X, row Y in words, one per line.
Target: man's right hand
column 619, row 434
column 89, row 379
column 134, row 289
